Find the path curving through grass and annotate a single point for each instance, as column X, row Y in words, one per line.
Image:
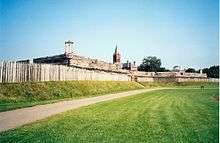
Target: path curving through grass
column 171, row 115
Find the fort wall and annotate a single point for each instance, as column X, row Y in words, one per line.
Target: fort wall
column 79, row 61
column 171, row 77
column 84, row 62
column 24, row 71
column 12, row 72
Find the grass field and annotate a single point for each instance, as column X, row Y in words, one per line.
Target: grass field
column 14, row 95
column 174, row 115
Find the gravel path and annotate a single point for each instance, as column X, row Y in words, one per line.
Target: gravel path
column 16, row 118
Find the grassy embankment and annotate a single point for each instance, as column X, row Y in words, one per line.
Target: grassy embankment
column 14, row 95
column 180, row 84
column 172, row 115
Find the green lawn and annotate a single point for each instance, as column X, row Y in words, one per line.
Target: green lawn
column 171, row 116
column 18, row 95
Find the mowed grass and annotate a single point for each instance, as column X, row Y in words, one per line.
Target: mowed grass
column 18, row 95
column 169, row 116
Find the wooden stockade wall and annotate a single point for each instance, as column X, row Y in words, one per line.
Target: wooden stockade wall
column 21, row 72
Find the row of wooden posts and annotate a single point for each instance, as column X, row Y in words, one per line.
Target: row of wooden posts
column 21, row 72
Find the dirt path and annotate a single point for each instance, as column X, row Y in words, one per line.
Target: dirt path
column 16, row 118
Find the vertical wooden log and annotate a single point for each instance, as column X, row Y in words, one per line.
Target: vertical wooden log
column 1, row 72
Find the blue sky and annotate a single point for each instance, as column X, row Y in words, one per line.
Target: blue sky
column 180, row 32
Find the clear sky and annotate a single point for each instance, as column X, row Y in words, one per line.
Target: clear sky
column 180, row 32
